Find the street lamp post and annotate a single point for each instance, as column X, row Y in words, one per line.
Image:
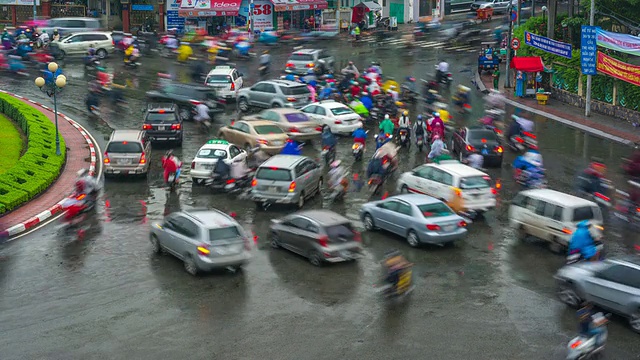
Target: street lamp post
column 52, row 86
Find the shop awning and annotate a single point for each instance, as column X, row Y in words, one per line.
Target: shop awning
column 297, row 5
column 370, row 5
column 209, row 8
column 527, row 64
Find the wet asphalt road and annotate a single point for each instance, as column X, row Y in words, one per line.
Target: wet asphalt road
column 108, row 296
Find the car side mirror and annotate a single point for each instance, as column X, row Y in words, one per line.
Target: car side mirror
column 243, row 151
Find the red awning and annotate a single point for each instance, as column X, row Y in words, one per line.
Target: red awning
column 297, row 5
column 209, row 8
column 527, row 64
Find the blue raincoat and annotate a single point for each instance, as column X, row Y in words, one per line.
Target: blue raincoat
column 367, row 102
column 328, row 139
column 582, row 241
column 325, row 93
column 291, row 148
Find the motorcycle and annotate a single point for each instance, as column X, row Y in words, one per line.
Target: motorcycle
column 582, row 347
column 173, row 180
column 575, row 256
column 263, row 70
column 446, row 79
column 328, row 154
column 358, row 150
column 339, row 191
column 530, row 179
column 402, row 288
column 420, row 142
column 405, row 141
column 522, row 142
column 94, row 112
column 375, row 184
column 76, row 209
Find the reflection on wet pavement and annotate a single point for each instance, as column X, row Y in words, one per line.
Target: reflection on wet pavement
column 105, row 295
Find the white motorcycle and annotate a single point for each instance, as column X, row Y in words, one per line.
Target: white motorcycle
column 582, row 348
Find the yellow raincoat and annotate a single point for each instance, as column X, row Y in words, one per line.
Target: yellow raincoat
column 388, row 84
column 184, row 52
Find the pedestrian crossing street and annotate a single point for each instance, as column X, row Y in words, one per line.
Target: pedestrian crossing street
column 425, row 44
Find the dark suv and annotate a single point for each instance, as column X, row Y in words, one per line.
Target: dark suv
column 186, row 97
column 163, row 124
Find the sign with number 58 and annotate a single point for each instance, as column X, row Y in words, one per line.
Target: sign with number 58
column 262, row 9
column 262, row 15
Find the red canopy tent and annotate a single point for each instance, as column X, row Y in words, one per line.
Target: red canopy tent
column 527, row 63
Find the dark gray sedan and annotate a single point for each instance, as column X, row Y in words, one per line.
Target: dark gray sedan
column 418, row 218
column 319, row 235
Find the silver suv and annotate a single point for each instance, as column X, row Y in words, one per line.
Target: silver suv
column 303, row 60
column 203, row 240
column 286, row 179
column 498, row 6
column 274, row 94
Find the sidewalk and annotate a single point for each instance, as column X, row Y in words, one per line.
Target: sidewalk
column 597, row 124
column 81, row 153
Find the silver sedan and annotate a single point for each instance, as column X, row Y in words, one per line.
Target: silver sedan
column 420, row 219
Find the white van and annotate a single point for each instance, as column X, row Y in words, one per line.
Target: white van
column 226, row 80
column 552, row 216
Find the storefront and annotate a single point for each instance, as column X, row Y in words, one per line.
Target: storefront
column 299, row 14
column 212, row 15
column 395, row 8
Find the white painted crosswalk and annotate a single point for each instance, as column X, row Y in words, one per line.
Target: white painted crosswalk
column 424, row 44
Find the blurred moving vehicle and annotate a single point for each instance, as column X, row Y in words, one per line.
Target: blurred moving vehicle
column 266, row 135
column 203, row 240
column 187, row 97
column 295, row 123
column 319, row 235
column 340, row 118
column 419, row 219
column 478, row 140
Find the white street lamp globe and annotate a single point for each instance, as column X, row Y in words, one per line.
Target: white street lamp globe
column 52, row 67
column 544, row 8
column 61, row 81
column 39, row 81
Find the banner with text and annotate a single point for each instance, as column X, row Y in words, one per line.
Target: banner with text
column 619, row 42
column 588, row 50
column 618, row 69
column 19, row 2
column 548, row 45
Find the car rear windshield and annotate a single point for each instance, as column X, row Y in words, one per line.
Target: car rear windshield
column 474, row 182
column 124, row 147
column 341, row 111
column 340, row 231
column 211, row 154
column 230, row 232
column 275, row 174
column 435, row 210
column 218, row 79
column 294, row 90
column 585, row 213
column 268, row 129
column 296, row 117
column 159, row 118
column 301, row 57
column 489, row 135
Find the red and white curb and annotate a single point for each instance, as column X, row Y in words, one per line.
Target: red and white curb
column 57, row 208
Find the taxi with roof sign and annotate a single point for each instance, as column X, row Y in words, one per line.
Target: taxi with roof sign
column 209, row 154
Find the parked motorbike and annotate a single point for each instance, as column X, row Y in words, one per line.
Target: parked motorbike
column 582, row 347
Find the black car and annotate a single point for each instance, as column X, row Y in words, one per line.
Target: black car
column 479, row 140
column 187, row 97
column 163, row 124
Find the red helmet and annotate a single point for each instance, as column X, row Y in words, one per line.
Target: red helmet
column 80, row 186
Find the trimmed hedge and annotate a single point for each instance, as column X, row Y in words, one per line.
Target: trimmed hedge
column 10, row 143
column 39, row 167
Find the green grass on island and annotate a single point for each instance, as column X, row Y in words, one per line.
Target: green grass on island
column 11, row 144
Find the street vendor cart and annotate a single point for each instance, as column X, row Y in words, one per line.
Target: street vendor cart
column 484, row 14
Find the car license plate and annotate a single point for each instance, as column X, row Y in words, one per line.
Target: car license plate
column 485, row 152
column 276, row 142
column 161, row 128
column 207, row 166
column 346, row 254
column 124, row 161
column 273, row 189
column 449, row 228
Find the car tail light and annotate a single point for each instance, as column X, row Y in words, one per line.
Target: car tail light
column 195, row 102
column 602, row 196
column 494, row 191
column 567, row 231
column 254, row 183
column 176, row 127
column 311, row 65
column 357, row 236
column 231, row 181
column 356, row 146
column 233, row 86
column 528, row 134
column 326, row 148
column 106, row 158
column 291, row 99
column 290, row 65
column 462, row 223
column 433, row 227
column 147, row 127
column 484, row 141
column 575, row 344
column 292, row 187
column 262, row 141
column 143, row 158
column 113, row 42
column 319, row 128
column 193, row 164
column 161, row 111
column 294, row 130
column 323, row 240
column 337, row 122
column 470, row 148
column 498, row 131
column 499, row 149
column 519, row 139
column 203, row 249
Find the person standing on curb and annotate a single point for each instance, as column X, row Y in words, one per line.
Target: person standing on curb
column 496, row 78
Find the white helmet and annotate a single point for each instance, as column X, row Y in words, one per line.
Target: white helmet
column 386, row 116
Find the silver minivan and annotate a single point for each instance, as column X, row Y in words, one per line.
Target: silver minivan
column 286, row 179
column 72, row 25
column 127, row 153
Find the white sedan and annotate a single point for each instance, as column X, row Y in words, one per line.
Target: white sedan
column 337, row 116
column 208, row 156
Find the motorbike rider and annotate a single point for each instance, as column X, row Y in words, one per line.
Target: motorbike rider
column 7, row 40
column 257, row 157
column 351, row 71
column 388, row 152
column 328, row 139
column 93, row 100
column 441, row 70
column 291, row 148
column 171, row 43
column 170, row 164
column 437, row 125
column 582, row 241
column 327, row 91
column 222, row 169
column 592, row 178
column 265, row 60
column 437, row 147
column 87, row 183
column 44, row 37
column 404, row 123
column 239, row 169
column 55, row 35
column 632, row 167
column 393, row 93
column 394, row 265
column 420, row 127
column 91, row 57
column 366, row 100
column 337, row 175
column 528, row 164
column 360, row 136
column 387, row 126
column 475, row 160
column 202, row 114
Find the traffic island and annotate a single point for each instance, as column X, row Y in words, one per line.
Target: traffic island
column 32, row 190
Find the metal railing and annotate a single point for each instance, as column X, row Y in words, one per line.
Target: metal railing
column 58, row 11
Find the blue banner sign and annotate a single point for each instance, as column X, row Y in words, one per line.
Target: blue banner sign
column 137, row 7
column 174, row 21
column 588, row 49
column 548, row 45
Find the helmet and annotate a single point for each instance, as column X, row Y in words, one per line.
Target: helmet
column 350, row 62
column 386, row 116
column 405, row 113
column 82, row 172
column 419, row 117
column 436, row 114
column 336, row 163
column 265, row 52
column 44, row 31
column 436, row 136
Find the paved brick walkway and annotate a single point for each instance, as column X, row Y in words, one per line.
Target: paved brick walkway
column 606, row 124
column 78, row 157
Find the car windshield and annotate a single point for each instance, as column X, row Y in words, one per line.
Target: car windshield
column 275, row 174
column 435, row 210
column 296, row 117
column 295, row 90
column 218, row 79
column 211, row 153
column 124, row 147
column 158, row 118
column 301, row 57
column 268, row 129
column 340, row 231
column 474, row 182
column 488, row 135
column 341, row 111
column 224, row 233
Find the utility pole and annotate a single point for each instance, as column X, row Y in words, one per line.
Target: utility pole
column 35, row 13
column 507, row 82
column 592, row 20
column 251, row 9
column 533, row 8
column 551, row 18
column 519, row 10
